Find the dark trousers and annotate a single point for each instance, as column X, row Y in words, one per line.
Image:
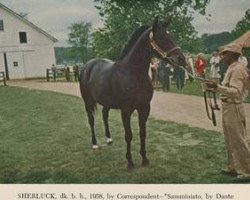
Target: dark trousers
column 166, row 83
column 180, row 77
column 164, row 73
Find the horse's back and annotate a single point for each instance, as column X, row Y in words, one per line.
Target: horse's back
column 96, row 66
column 95, row 79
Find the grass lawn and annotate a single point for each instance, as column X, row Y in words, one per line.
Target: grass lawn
column 45, row 138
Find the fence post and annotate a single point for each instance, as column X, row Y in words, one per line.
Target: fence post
column 47, row 74
column 4, row 78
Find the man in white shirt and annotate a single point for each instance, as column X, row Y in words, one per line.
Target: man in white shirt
column 215, row 68
column 243, row 60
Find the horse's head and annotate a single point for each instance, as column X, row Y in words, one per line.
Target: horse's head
column 164, row 44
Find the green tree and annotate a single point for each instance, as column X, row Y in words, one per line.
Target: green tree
column 80, row 40
column 66, row 55
column 211, row 42
column 59, row 53
column 121, row 18
column 242, row 26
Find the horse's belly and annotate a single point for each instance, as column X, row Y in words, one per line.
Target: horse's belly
column 109, row 104
column 107, row 100
column 143, row 99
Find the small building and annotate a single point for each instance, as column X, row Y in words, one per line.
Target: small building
column 25, row 49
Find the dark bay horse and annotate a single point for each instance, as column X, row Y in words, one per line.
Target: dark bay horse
column 125, row 84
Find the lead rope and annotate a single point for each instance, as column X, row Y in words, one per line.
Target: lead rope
column 207, row 99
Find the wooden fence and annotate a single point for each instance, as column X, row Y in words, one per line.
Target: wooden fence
column 60, row 74
column 3, row 78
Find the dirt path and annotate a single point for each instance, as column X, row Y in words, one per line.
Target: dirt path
column 165, row 106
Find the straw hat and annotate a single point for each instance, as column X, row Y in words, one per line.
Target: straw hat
column 236, row 48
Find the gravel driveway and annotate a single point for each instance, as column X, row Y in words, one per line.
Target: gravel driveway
column 179, row 108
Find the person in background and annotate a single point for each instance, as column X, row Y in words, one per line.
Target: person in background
column 190, row 63
column 200, row 65
column 54, row 71
column 67, row 74
column 215, row 68
column 154, row 64
column 76, row 72
column 179, row 74
column 234, row 90
column 164, row 75
column 243, row 60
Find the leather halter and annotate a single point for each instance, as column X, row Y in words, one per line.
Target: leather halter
column 164, row 54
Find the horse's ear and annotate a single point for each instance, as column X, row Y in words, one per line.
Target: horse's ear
column 156, row 20
column 168, row 21
column 155, row 23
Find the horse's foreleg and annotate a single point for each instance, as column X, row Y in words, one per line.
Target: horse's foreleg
column 143, row 113
column 126, row 115
column 105, row 116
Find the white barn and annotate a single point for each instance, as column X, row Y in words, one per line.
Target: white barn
column 25, row 49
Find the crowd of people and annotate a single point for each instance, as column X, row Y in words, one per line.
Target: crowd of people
column 69, row 73
column 164, row 74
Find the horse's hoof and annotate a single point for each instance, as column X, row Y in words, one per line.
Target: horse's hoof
column 130, row 166
column 145, row 162
column 95, row 147
column 109, row 141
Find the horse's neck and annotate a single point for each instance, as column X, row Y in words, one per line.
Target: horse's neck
column 139, row 57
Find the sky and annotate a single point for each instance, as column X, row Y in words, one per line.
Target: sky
column 55, row 16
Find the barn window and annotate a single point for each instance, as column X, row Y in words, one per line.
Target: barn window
column 15, row 64
column 1, row 25
column 23, row 37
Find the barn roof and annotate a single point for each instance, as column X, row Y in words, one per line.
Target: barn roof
column 28, row 23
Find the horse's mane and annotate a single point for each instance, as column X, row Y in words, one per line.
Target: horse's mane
column 136, row 34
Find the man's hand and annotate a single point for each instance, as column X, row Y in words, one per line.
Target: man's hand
column 211, row 85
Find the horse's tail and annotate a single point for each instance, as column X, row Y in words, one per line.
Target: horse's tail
column 90, row 103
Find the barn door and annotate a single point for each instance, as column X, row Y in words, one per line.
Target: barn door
column 6, row 66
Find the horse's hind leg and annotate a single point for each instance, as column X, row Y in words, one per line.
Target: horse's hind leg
column 90, row 108
column 105, row 116
column 143, row 113
column 92, row 123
